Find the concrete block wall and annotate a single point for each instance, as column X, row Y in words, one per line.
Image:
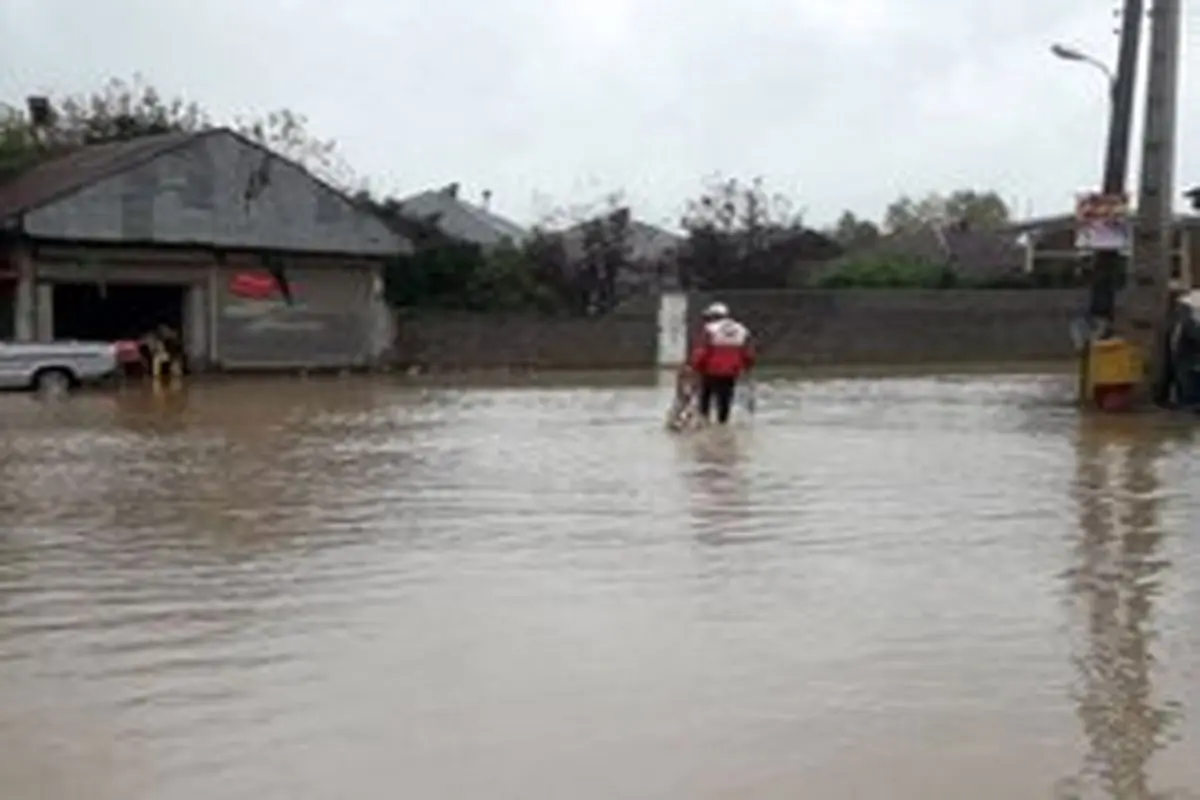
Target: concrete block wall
column 469, row 341
column 794, row 328
column 905, row 327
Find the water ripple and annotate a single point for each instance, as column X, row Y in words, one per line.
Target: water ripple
column 906, row 587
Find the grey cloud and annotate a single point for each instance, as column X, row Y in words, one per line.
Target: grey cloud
column 526, row 96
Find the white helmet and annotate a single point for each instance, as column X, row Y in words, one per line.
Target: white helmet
column 716, row 311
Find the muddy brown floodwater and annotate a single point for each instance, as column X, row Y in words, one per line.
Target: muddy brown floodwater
column 897, row 588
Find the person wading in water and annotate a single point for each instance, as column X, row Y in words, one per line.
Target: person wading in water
column 722, row 355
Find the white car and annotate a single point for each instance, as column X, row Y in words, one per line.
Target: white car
column 56, row 366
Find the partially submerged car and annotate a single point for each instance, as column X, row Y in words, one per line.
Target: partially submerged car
column 57, row 366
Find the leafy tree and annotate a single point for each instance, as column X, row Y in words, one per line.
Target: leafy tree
column 731, row 206
column 444, row 273
column 122, row 110
column 982, row 210
column 433, row 276
column 439, row 273
column 727, row 227
column 506, row 281
column 854, row 233
column 18, row 147
column 459, row 276
column 555, row 272
column 606, row 253
column 740, row 236
column 287, row 133
column 583, row 251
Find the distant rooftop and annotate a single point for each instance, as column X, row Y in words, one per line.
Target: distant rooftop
column 462, row 220
column 646, row 242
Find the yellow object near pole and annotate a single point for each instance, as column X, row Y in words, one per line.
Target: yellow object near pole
column 1115, row 370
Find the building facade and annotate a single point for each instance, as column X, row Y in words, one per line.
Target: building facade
column 113, row 240
column 1049, row 245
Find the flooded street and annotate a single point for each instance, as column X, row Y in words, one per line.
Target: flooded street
column 897, row 588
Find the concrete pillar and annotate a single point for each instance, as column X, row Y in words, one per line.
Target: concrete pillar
column 24, row 310
column 1146, row 316
column 382, row 331
column 45, row 312
column 212, row 310
column 195, row 324
column 672, row 329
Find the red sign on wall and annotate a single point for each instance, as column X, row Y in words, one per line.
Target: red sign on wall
column 255, row 286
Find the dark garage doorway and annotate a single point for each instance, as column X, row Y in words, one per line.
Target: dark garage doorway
column 8, row 309
column 92, row 312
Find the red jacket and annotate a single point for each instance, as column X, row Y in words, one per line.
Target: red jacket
column 723, row 350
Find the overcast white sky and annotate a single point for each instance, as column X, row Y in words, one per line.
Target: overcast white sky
column 838, row 103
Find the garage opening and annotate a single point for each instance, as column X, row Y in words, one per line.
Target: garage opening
column 8, row 309
column 90, row 312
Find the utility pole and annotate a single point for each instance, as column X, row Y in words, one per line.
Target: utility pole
column 1107, row 263
column 1148, row 291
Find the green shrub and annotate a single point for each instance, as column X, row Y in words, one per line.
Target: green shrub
column 887, row 272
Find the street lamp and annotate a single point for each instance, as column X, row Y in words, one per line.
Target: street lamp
column 1106, row 263
column 1071, row 54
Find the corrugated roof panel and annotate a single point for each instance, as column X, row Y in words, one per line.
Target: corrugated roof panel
column 67, row 173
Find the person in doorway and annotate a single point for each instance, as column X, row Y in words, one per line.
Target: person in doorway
column 1183, row 359
column 164, row 354
column 173, row 348
column 723, row 353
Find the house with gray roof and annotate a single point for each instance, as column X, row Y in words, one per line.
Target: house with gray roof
column 109, row 241
column 462, row 220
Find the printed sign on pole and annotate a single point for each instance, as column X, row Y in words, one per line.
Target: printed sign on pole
column 1102, row 222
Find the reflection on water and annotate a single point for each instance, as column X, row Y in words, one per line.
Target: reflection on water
column 721, row 509
column 1118, row 577
column 282, row 589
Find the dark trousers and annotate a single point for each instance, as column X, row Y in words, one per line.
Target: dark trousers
column 718, row 391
